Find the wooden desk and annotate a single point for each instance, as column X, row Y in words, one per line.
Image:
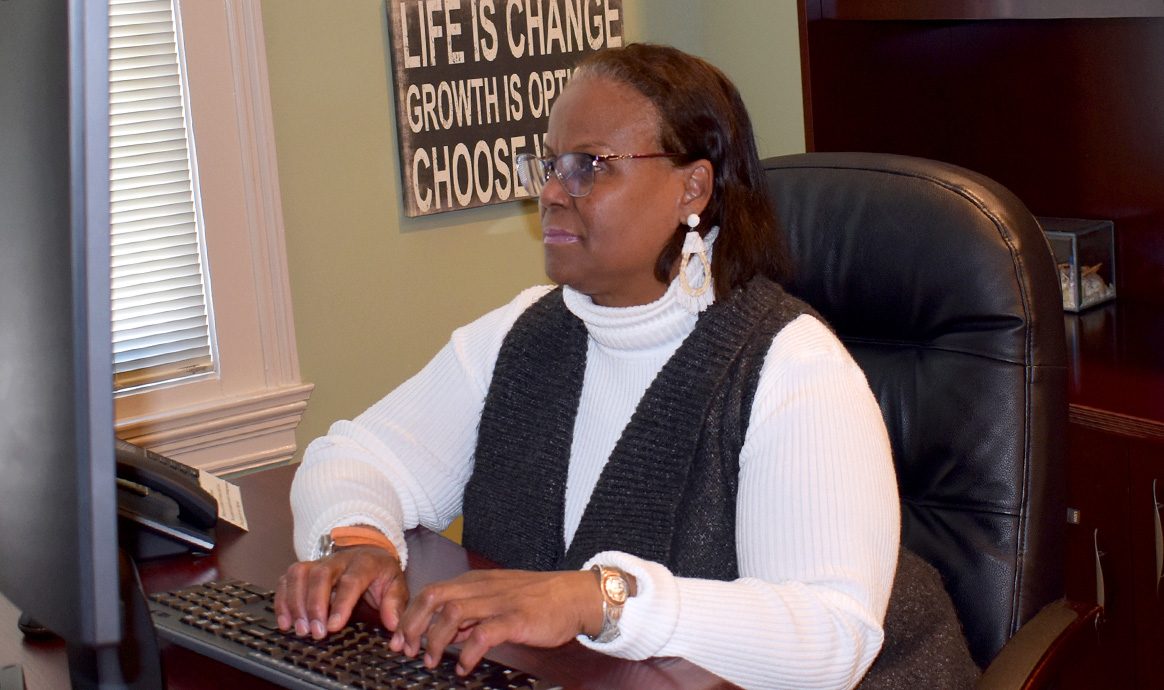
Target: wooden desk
column 262, row 555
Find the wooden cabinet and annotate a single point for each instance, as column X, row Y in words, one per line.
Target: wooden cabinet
column 1114, row 556
column 1099, row 553
column 1146, row 488
column 1062, row 102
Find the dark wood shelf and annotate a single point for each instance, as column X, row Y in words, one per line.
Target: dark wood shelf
column 978, row 10
column 1117, row 368
column 1065, row 114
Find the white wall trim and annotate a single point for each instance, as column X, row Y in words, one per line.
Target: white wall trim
column 241, row 433
column 264, row 204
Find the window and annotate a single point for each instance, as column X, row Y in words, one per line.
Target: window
column 161, row 324
column 242, row 413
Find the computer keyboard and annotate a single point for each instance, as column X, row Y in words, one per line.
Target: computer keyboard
column 234, row 621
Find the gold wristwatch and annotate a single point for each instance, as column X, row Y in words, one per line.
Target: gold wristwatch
column 616, row 587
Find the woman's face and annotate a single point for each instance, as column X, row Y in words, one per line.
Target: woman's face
column 605, row 244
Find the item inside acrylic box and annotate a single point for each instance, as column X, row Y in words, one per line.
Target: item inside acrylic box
column 1085, row 253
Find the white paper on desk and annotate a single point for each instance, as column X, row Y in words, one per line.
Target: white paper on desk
column 230, row 507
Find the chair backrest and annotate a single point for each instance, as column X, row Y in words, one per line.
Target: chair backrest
column 942, row 285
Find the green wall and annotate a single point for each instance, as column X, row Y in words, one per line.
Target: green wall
column 375, row 293
column 756, row 42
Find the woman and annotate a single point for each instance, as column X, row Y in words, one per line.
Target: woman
column 668, row 415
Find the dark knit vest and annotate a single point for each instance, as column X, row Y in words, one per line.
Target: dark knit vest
column 668, row 491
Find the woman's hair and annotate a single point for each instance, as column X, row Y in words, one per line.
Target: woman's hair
column 703, row 117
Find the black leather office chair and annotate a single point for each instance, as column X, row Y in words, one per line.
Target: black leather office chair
column 943, row 287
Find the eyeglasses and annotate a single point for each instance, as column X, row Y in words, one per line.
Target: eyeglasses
column 574, row 170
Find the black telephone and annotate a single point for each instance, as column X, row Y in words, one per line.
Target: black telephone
column 162, row 509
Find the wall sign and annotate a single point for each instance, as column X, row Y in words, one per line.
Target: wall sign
column 474, row 81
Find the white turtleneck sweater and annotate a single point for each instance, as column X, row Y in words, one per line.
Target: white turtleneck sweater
column 817, row 521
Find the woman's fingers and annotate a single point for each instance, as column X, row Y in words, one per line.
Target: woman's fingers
column 317, row 597
column 484, row 608
column 456, row 619
column 390, row 598
column 483, row 637
column 370, row 571
column 422, row 610
column 291, row 598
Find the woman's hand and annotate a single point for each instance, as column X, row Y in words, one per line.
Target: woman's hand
column 318, row 597
column 483, row 608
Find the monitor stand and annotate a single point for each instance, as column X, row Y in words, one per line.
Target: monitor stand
column 133, row 664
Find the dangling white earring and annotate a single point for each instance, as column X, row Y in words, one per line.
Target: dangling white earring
column 693, row 245
column 696, row 282
column 696, row 291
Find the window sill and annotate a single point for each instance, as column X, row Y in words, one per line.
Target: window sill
column 245, row 432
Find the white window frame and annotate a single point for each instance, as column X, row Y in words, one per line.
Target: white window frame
column 244, row 417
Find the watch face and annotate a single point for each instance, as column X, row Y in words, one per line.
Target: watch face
column 614, row 587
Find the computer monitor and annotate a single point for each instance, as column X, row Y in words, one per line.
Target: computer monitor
column 59, row 558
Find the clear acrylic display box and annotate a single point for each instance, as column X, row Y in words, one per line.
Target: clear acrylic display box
column 1085, row 253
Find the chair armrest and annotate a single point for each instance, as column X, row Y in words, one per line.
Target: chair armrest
column 1033, row 656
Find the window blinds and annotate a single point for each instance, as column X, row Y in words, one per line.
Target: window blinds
column 161, row 323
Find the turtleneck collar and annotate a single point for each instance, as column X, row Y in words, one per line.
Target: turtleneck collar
column 661, row 323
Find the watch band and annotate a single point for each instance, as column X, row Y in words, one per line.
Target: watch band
column 355, row 535
column 616, row 587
